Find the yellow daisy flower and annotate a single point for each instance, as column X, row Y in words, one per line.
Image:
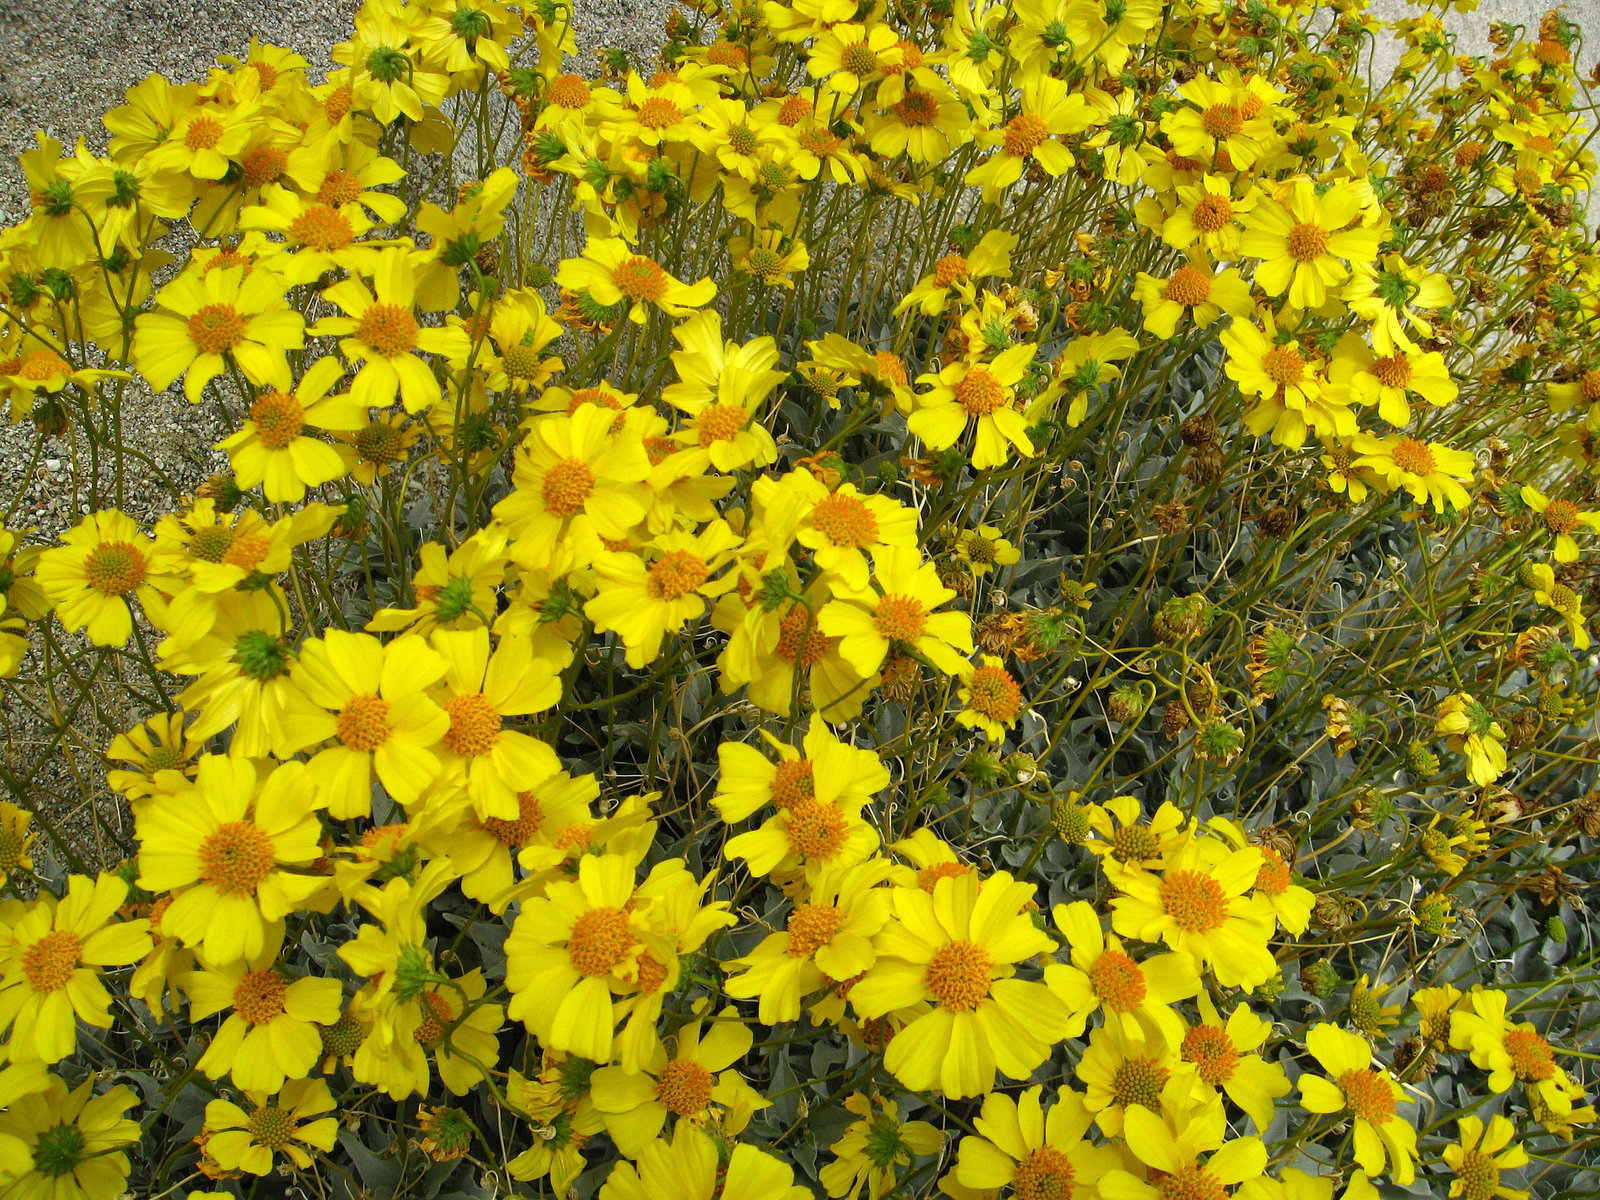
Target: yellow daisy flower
column 1480, row 1155
column 991, row 698
column 954, row 274
column 1220, row 1053
column 1193, row 289
column 871, row 623
column 1561, row 518
column 610, row 272
column 1103, row 977
column 957, row 949
column 1430, row 471
column 67, row 1145
column 981, row 395
column 1305, row 242
column 271, row 1033
column 223, row 845
column 873, row 1149
column 689, row 1167
column 1383, row 1138
column 52, row 954
column 290, row 1123
column 271, row 449
column 1473, row 730
column 105, row 562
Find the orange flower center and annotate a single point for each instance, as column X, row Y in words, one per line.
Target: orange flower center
column 566, row 486
column 1284, row 365
column 684, row 1088
column 42, row 365
column 1221, row 121
column 651, row 974
column 338, row 103
column 1138, row 1081
column 1273, row 877
column 928, row 878
column 675, row 574
column 950, row 269
column 247, row 550
column 726, row 54
column 1530, row 1056
column 1188, row 287
column 1046, row 1174
column 474, row 725
column 387, row 330
column 1025, row 133
column 812, row 926
column 530, row 815
column 50, row 961
column 917, row 109
column 113, row 568
column 793, row 782
column 900, row 618
column 817, row 831
column 1192, row 1182
column 1117, row 981
column 258, row 997
column 437, row 1015
column 1194, row 900
column 640, row 279
column 959, row 976
column 1211, row 213
column 1561, row 516
column 279, row 418
column 658, row 113
column 1307, row 242
column 600, row 938
column 1413, row 457
column 980, row 393
column 1368, row 1095
column 720, row 423
column 819, row 141
column 1589, row 386
column 845, row 520
column 568, row 91
column 800, row 643
column 1393, row 371
column 1212, row 1052
column 322, row 228
column 339, row 187
column 235, row 858
column 363, row 723
column 794, row 110
column 266, row 72
column 216, row 328
column 263, row 165
column 891, row 367
column 1135, row 844
column 994, row 694
column 203, row 133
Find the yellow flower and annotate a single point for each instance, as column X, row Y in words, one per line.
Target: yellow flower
column 1561, row 518
column 376, row 446
column 1560, row 599
column 571, row 949
column 1119, row 831
column 610, row 272
column 289, row 1123
column 1509, row 1051
column 977, row 394
column 644, row 603
column 991, row 698
column 271, row 1034
column 489, row 762
column 65, row 1145
column 924, row 124
column 1104, row 977
column 376, row 710
column 1370, row 1097
column 1232, row 119
column 1305, row 242
column 873, row 622
column 1386, row 383
column 1285, row 378
column 1472, row 729
column 210, row 318
column 458, row 589
column 16, row 839
column 52, row 954
column 1035, row 1153
column 1430, row 471
column 954, row 274
column 1207, row 214
column 694, row 1086
column 272, row 450
column 1176, row 1155
column 393, row 78
column 1129, row 1067
column 842, row 526
column 982, row 549
column 828, row 939
column 380, row 330
column 1194, row 289
column 1197, row 904
column 105, row 563
column 957, row 948
column 321, row 237
column 873, row 1149
column 225, row 842
column 689, row 1168
column 1480, row 1155
column 1049, row 110
column 1388, row 297
column 1219, row 1053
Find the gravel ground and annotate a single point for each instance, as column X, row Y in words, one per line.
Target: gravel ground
column 61, row 66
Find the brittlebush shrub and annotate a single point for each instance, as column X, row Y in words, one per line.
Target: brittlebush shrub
column 913, row 599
